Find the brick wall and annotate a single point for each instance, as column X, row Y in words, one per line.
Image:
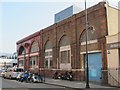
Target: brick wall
column 73, row 27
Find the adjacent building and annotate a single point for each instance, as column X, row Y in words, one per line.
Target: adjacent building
column 113, row 45
column 8, row 60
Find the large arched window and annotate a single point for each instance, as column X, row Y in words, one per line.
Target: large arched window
column 65, row 53
column 34, row 55
column 21, row 50
column 48, row 55
column 21, row 53
column 91, row 41
column 91, row 35
column 34, row 47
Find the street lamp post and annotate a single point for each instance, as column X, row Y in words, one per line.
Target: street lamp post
column 44, row 71
column 87, row 68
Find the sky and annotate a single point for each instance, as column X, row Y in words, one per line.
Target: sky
column 20, row 18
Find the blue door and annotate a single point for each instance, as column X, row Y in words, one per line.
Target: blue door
column 95, row 65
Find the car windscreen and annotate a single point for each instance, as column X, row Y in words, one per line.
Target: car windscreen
column 18, row 70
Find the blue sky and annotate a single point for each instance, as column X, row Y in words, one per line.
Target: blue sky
column 22, row 18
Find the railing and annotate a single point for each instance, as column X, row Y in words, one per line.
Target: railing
column 114, row 81
column 112, row 76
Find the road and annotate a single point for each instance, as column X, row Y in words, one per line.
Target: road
column 7, row 84
column 15, row 85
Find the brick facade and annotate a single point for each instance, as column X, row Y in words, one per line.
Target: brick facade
column 72, row 27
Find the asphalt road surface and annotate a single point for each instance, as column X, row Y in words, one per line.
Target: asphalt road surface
column 7, row 84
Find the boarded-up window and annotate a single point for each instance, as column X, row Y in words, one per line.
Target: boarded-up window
column 65, row 56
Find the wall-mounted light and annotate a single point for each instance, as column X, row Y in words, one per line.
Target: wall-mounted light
column 91, row 28
column 108, row 51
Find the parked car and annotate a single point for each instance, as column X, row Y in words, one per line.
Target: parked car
column 3, row 72
column 12, row 73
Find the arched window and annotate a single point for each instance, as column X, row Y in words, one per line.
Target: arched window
column 65, row 53
column 48, row 55
column 21, row 60
column 91, row 35
column 64, row 41
column 34, row 47
column 34, row 58
column 21, row 50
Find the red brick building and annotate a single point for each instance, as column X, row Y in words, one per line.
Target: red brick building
column 29, row 52
column 61, row 46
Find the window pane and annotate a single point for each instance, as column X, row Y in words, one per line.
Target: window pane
column 50, row 53
column 51, row 63
column 30, row 63
column 46, row 53
column 21, row 63
column 68, row 56
column 33, row 62
column 63, row 56
column 46, row 63
column 23, row 52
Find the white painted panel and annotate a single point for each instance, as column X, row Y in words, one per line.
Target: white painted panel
column 48, row 56
column 26, row 55
column 34, row 54
column 65, row 48
column 90, row 42
column 48, row 50
column 95, row 51
column 66, row 66
column 21, row 56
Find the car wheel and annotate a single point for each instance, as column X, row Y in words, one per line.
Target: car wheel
column 10, row 77
column 31, row 80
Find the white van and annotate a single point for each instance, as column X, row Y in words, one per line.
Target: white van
column 13, row 72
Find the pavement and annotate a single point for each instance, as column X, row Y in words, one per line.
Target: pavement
column 74, row 84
